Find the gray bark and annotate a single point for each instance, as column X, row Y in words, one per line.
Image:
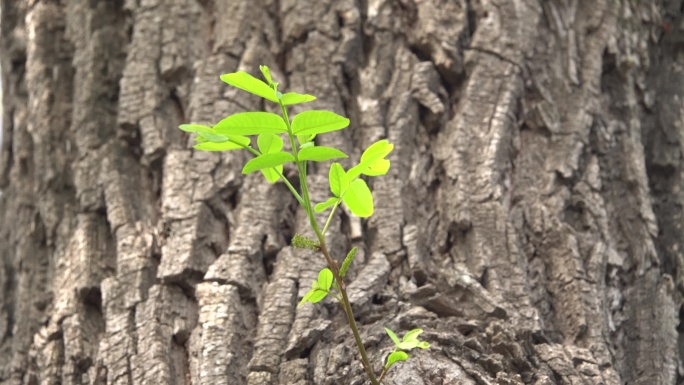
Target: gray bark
column 530, row 223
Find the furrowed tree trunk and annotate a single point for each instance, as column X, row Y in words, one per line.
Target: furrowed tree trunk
column 531, row 222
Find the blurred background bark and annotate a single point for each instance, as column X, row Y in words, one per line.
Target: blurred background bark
column 531, row 221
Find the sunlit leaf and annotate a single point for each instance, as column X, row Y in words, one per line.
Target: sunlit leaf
column 320, row 207
column 320, row 153
column 412, row 335
column 358, row 199
column 393, row 336
column 306, row 297
column 267, row 74
column 318, row 295
column 338, row 179
column 235, row 143
column 269, row 143
column 423, row 345
column 271, row 174
column 249, row 83
column 267, row 161
column 317, row 122
column 251, row 123
column 374, row 153
column 396, row 357
column 325, row 279
column 206, row 133
column 291, row 98
column 408, row 345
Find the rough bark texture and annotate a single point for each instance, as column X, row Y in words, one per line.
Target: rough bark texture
column 531, row 222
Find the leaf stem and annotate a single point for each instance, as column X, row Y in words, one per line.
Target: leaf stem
column 327, row 223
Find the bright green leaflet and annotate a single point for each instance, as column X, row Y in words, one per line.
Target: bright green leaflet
column 338, row 180
column 320, row 153
column 223, row 146
column 374, row 153
column 267, row 74
column 249, row 83
column 396, row 357
column 393, row 336
column 267, row 161
column 251, row 123
column 291, row 98
column 317, row 122
column 358, row 199
column 205, row 132
column 268, row 144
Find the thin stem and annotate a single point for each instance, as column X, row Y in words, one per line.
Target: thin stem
column 348, row 310
column 382, row 375
column 327, row 223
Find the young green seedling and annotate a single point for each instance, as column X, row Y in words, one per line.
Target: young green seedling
column 346, row 186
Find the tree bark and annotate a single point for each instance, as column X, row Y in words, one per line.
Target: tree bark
column 530, row 223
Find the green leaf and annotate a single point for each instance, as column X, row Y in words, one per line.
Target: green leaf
column 267, row 74
column 206, row 133
column 393, row 336
column 317, row 122
column 291, row 98
column 271, row 174
column 307, row 296
column 412, row 335
column 267, row 161
column 318, row 295
column 325, row 279
column 359, row 199
column 377, row 168
column 407, row 345
column 249, row 83
column 423, row 345
column 338, row 180
column 305, row 140
column 269, row 143
column 320, row 153
column 396, row 357
column 374, row 153
column 251, row 123
column 347, row 262
column 319, row 208
column 212, row 146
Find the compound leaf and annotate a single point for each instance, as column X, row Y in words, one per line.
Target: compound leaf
column 291, row 98
column 269, row 143
column 320, row 207
column 267, row 161
column 317, row 122
column 396, row 357
column 320, row 153
column 249, row 83
column 251, row 123
column 338, row 180
column 358, row 199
